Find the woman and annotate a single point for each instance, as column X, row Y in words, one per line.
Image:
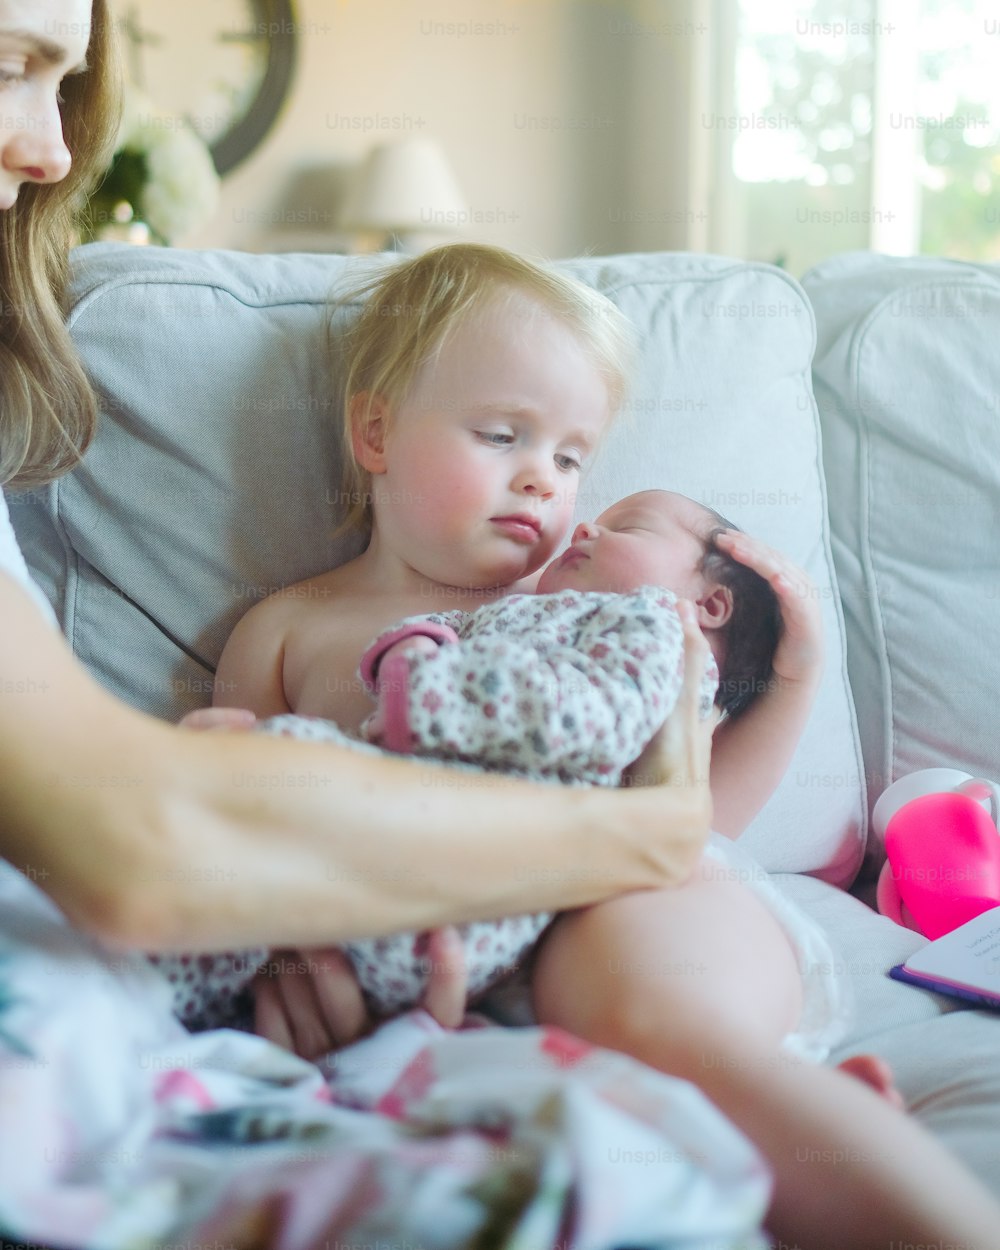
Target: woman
column 129, row 874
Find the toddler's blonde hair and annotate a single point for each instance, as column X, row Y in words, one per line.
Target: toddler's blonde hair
column 412, row 307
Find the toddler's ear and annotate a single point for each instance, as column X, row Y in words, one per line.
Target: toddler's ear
column 368, row 430
column 715, row 607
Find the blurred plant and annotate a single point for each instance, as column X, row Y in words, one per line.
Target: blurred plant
column 161, row 174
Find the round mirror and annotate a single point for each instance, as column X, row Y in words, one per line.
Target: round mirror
column 226, row 67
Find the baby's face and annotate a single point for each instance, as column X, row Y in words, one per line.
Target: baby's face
column 654, row 538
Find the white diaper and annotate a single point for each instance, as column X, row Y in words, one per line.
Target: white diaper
column 826, row 997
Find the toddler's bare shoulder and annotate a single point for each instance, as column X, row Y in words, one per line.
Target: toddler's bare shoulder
column 288, row 608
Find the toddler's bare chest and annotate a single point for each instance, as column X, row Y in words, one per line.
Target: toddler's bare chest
column 322, row 653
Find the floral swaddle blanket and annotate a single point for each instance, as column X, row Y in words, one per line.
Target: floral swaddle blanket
column 119, row 1129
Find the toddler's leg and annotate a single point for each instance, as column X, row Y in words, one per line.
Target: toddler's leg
column 701, row 983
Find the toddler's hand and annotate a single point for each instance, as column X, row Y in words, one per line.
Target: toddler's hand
column 310, row 1001
column 207, row 718
column 799, row 655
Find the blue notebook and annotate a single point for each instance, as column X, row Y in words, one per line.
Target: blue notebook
column 964, row 963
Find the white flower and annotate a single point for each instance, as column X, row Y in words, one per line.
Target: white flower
column 182, row 187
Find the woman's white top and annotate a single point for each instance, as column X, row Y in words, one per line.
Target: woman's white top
column 12, row 563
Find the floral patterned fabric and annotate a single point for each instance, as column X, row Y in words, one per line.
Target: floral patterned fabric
column 120, row 1130
column 566, row 687
column 569, row 686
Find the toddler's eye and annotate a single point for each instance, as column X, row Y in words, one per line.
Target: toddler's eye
column 495, row 438
column 568, row 463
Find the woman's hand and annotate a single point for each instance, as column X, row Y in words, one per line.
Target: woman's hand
column 310, row 1001
column 680, row 752
column 799, row 655
column 679, row 756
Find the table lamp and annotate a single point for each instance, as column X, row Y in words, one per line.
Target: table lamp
column 403, row 191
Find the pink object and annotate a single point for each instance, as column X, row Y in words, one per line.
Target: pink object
column 372, row 658
column 943, row 863
column 388, row 678
column 178, row 1083
column 393, row 691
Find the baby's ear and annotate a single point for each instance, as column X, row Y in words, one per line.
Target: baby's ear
column 368, row 430
column 715, row 607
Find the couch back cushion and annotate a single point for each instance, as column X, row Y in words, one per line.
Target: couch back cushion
column 214, row 477
column 907, row 376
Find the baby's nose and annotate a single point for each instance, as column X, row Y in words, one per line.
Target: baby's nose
column 584, row 531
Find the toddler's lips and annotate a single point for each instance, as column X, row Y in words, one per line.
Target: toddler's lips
column 522, row 528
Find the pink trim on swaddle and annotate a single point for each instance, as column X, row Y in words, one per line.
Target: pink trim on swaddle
column 389, row 679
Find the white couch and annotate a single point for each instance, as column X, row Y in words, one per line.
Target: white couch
column 213, row 481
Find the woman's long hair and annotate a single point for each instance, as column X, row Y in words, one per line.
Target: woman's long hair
column 48, row 408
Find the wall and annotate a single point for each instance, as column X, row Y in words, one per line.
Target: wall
column 566, row 121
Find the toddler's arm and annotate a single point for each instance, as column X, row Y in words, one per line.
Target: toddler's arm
column 214, row 719
column 751, row 753
column 249, row 672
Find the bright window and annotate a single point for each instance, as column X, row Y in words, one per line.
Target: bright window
column 854, row 124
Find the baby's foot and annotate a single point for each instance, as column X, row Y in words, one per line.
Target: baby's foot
column 873, row 1071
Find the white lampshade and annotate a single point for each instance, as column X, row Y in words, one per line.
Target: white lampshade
column 405, row 188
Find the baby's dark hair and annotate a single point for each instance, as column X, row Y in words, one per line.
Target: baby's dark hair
column 751, row 634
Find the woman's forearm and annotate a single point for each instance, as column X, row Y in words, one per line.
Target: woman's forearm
column 164, row 839
column 234, row 839
column 301, row 844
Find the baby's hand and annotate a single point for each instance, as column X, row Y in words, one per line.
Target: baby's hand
column 799, row 655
